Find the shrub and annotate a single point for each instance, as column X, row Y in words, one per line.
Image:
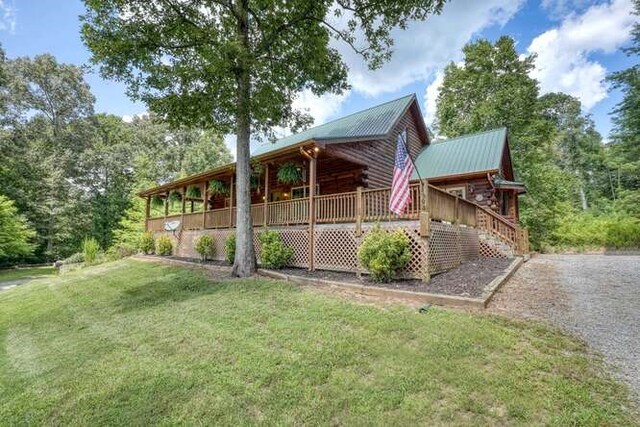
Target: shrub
column 164, row 246
column 230, row 248
column 204, row 247
column 76, row 258
column 147, row 243
column 383, row 254
column 273, row 252
column 586, row 230
column 90, row 249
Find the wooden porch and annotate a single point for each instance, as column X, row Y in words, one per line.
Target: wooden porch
column 428, row 203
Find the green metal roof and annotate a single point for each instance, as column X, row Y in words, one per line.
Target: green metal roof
column 370, row 123
column 464, row 154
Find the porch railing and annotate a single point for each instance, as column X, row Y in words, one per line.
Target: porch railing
column 288, row 212
column 360, row 206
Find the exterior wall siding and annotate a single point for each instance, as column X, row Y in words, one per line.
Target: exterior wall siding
column 378, row 156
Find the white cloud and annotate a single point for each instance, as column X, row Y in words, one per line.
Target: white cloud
column 230, row 142
column 321, row 108
column 562, row 8
column 563, row 63
column 428, row 46
column 128, row 118
column 430, row 98
column 7, row 16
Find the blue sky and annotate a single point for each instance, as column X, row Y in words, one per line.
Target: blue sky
column 577, row 42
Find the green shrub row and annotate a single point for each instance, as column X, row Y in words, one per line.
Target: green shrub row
column 591, row 231
column 382, row 253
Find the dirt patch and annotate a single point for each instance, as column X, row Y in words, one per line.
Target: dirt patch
column 466, row 280
column 532, row 293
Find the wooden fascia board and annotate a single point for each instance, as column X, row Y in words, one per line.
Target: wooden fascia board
column 204, row 176
column 189, row 180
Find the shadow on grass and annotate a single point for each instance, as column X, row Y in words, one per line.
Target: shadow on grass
column 172, row 287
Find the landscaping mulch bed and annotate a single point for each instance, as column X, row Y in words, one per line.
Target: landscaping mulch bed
column 467, row 280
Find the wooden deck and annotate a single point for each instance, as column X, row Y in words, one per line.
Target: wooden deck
column 427, row 203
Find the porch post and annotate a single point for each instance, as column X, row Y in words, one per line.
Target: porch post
column 266, row 194
column 312, row 207
column 231, row 203
column 147, row 213
column 359, row 211
column 205, row 204
column 166, row 204
column 424, row 208
column 183, row 206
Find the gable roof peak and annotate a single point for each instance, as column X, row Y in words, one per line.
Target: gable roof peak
column 370, row 123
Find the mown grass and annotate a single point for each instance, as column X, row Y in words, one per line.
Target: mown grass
column 137, row 343
column 25, row 273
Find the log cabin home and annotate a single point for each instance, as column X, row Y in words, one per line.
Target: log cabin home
column 325, row 187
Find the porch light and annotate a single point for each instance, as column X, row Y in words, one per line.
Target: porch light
column 316, row 149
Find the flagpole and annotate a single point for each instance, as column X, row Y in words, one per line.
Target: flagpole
column 404, row 142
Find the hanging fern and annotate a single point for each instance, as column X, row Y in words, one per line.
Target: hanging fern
column 257, row 170
column 289, row 173
column 157, row 201
column 254, row 181
column 193, row 192
column 174, row 196
column 217, row 188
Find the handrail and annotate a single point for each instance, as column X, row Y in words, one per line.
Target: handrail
column 358, row 206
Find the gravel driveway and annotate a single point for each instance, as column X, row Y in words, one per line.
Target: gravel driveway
column 596, row 297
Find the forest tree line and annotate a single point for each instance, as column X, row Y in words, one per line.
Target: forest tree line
column 70, row 173
column 581, row 192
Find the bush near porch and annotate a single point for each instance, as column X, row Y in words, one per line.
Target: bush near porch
column 129, row 342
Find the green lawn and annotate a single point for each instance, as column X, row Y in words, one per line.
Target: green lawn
column 139, row 343
column 25, row 273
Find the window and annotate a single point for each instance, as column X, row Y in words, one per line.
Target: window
column 457, row 191
column 504, row 209
column 303, row 191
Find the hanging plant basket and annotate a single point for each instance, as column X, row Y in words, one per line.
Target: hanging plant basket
column 157, row 201
column 217, row 188
column 257, row 170
column 289, row 173
column 254, row 182
column 193, row 192
column 174, row 197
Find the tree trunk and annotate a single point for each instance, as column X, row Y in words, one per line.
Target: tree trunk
column 245, row 262
column 583, row 198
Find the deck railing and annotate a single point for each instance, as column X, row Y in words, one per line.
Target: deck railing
column 376, row 205
column 360, row 206
column 333, row 208
column 288, row 212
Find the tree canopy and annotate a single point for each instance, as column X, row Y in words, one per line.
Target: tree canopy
column 237, row 66
column 557, row 151
column 72, row 173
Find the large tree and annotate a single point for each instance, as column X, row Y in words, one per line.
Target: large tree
column 491, row 89
column 625, row 147
column 15, row 234
column 43, row 98
column 236, row 66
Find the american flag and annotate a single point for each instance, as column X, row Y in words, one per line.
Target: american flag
column 402, row 170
